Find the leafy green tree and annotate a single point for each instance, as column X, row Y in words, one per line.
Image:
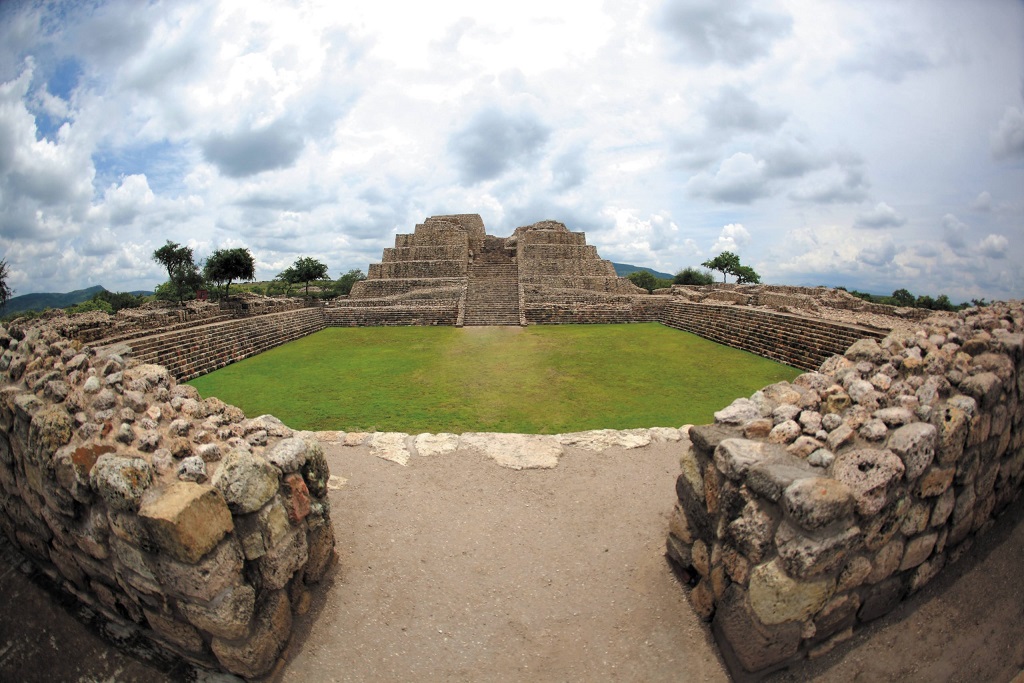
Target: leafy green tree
column 305, row 269
column 227, row 265
column 942, row 303
column 119, row 300
column 183, row 275
column 726, row 263
column 5, row 291
column 92, row 304
column 641, row 278
column 692, row 276
column 745, row 275
column 925, row 301
column 345, row 282
column 903, row 297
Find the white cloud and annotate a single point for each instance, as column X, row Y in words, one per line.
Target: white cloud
column 882, row 216
column 314, row 129
column 739, row 180
column 732, row 238
column 994, row 246
column 1008, row 137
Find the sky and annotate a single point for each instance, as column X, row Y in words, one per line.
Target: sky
column 874, row 145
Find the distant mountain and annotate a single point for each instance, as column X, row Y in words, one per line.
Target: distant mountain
column 39, row 302
column 624, row 269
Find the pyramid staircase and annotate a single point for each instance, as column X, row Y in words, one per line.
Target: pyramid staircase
column 492, row 288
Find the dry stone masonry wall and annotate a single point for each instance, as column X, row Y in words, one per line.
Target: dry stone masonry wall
column 177, row 517
column 814, row 507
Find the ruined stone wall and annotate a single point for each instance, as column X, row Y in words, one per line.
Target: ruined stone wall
column 798, row 341
column 816, row 506
column 178, row 518
column 195, row 351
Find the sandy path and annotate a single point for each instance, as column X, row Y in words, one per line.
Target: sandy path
column 454, row 568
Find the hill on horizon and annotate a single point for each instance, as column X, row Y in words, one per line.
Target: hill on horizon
column 40, row 301
column 624, row 269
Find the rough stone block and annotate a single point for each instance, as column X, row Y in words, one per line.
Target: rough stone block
column 296, row 497
column 752, row 531
column 776, row 598
column 734, row 457
column 121, row 481
column 934, row 481
column 816, row 502
column 289, row 455
column 255, row 654
column 247, row 481
column 870, row 474
column 917, row 550
column 808, row 554
column 881, row 599
column 320, row 542
column 217, row 571
column 914, row 444
column 755, row 645
column 281, row 561
column 186, row 520
column 769, row 478
column 181, row 634
column 226, row 616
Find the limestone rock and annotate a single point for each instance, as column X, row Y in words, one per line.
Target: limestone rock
column 739, row 411
column 808, row 554
column 734, row 457
column 390, row 446
column 186, row 520
column 917, row 550
column 247, row 481
column 429, row 445
column 226, row 616
column 255, row 654
column 516, row 451
column 756, row 644
column 870, row 475
column 603, row 439
column 121, row 481
column 289, row 455
column 816, row 502
column 915, row 445
column 770, row 477
column 777, row 598
column 215, row 572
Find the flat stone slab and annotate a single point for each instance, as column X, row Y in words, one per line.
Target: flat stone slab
column 515, row 451
column 602, row 439
column 390, row 446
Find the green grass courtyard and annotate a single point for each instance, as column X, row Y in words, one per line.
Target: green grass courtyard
column 542, row 379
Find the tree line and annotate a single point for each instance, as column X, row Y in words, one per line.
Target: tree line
column 225, row 266
column 727, row 263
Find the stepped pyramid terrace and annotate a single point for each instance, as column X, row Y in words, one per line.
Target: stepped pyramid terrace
column 449, row 271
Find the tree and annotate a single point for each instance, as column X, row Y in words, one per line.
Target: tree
column 641, row 278
column 903, row 297
column 346, row 281
column 745, row 275
column 183, row 275
column 692, row 276
column 726, row 263
column 5, row 291
column 305, row 269
column 226, row 265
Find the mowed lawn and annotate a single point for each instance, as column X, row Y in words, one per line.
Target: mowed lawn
column 542, row 379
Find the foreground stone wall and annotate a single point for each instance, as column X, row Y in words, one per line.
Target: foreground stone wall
column 814, row 507
column 194, row 527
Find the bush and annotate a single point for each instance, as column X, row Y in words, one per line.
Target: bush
column 692, row 276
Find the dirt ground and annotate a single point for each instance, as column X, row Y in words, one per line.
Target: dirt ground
column 454, row 568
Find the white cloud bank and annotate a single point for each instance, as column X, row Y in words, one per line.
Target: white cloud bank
column 820, row 143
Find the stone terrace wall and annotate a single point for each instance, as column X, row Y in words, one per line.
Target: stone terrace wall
column 575, row 306
column 814, row 507
column 175, row 517
column 195, row 351
column 804, row 343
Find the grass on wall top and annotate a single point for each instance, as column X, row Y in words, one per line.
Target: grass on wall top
column 544, row 379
